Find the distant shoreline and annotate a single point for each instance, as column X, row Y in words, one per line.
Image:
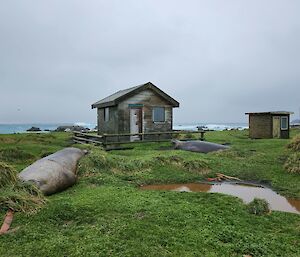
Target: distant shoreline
column 45, row 127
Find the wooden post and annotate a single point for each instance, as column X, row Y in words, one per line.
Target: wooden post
column 104, row 140
column 202, row 135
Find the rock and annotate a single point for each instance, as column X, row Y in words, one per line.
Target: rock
column 201, row 128
column 33, row 129
column 71, row 129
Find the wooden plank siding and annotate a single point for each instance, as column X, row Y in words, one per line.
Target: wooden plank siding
column 110, row 126
column 260, row 126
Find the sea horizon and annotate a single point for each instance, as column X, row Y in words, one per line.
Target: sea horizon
column 12, row 128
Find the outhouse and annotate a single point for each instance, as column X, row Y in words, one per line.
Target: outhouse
column 269, row 124
column 140, row 109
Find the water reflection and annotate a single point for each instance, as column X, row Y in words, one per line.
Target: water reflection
column 245, row 192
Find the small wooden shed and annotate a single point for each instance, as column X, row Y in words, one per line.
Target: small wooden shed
column 269, row 124
column 140, row 109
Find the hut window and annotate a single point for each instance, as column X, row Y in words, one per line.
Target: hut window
column 284, row 123
column 158, row 114
column 106, row 114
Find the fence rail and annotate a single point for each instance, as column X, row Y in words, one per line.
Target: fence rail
column 106, row 139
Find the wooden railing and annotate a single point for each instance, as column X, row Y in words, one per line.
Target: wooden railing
column 114, row 139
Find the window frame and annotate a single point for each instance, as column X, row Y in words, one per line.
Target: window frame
column 164, row 114
column 106, row 115
column 287, row 123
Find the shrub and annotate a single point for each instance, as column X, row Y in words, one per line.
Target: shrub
column 258, row 207
column 292, row 163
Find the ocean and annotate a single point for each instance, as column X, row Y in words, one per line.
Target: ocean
column 21, row 128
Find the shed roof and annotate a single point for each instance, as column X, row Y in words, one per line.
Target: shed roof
column 117, row 97
column 270, row 113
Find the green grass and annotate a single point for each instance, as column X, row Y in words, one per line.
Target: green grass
column 105, row 213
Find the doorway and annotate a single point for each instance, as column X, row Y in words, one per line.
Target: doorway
column 136, row 123
column 276, row 127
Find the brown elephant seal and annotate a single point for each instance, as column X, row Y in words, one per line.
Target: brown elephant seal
column 54, row 172
column 198, row 146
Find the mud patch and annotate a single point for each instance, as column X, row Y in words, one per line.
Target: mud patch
column 244, row 191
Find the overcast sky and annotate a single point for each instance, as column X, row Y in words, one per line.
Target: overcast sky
column 218, row 58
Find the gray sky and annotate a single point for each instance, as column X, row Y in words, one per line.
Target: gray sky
column 218, row 58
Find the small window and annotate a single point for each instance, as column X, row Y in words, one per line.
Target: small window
column 284, row 123
column 158, row 114
column 106, row 114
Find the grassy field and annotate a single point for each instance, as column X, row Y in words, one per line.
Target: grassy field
column 106, row 214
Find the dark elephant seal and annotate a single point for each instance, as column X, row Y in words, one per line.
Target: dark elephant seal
column 54, row 172
column 198, row 146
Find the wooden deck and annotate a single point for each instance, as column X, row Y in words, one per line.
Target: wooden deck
column 115, row 139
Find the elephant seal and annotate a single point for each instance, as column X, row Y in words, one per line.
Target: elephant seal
column 198, row 146
column 54, row 172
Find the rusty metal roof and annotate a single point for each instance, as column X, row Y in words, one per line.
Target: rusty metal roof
column 271, row 113
column 115, row 98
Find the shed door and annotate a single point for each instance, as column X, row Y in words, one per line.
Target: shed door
column 276, row 127
column 135, row 123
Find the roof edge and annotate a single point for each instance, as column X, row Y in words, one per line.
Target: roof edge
column 275, row 113
column 147, row 85
column 103, row 105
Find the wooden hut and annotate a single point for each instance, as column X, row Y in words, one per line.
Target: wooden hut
column 140, row 109
column 269, row 124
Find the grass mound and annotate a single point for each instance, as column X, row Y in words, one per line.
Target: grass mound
column 258, row 207
column 99, row 160
column 295, row 143
column 292, row 163
column 14, row 154
column 16, row 195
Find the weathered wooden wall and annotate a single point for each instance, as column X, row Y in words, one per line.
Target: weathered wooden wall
column 111, row 126
column 260, row 126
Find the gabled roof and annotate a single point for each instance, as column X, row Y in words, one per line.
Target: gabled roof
column 271, row 113
column 117, row 97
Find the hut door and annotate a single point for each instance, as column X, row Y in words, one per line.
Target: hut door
column 276, row 127
column 135, row 123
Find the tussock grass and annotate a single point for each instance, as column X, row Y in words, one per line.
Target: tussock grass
column 295, row 143
column 15, row 154
column 98, row 161
column 292, row 164
column 258, row 207
column 15, row 195
column 7, row 175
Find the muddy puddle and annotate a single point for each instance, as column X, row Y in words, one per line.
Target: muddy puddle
column 247, row 192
